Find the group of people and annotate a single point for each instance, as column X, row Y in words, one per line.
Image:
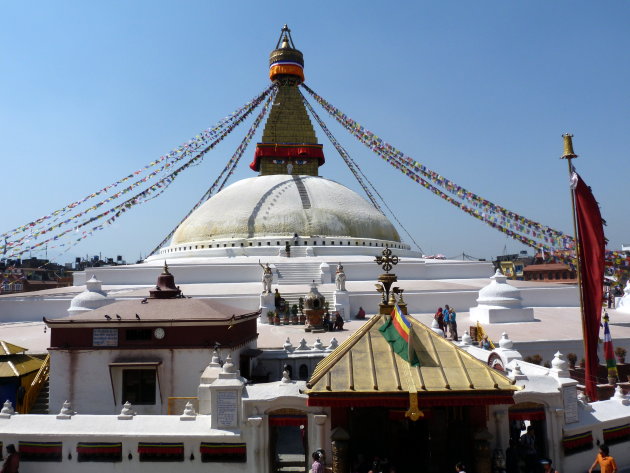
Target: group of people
column 447, row 320
column 332, row 325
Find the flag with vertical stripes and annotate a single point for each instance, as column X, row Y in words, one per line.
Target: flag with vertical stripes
column 609, row 352
column 397, row 331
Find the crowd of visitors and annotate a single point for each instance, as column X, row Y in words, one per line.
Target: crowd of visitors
column 447, row 321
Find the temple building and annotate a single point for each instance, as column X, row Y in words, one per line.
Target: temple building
column 208, row 365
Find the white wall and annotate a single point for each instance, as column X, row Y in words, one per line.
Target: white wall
column 109, row 429
column 32, row 308
column 83, row 377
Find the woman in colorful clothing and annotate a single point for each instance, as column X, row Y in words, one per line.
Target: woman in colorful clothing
column 607, row 463
column 317, row 466
column 439, row 317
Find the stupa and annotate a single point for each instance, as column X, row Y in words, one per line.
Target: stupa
column 288, row 203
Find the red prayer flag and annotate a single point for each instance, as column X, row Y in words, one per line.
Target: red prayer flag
column 592, row 247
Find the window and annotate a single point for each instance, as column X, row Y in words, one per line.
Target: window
column 303, row 372
column 135, row 334
column 138, row 387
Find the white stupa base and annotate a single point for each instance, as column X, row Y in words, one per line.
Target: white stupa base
column 342, row 304
column 496, row 315
column 267, row 303
column 622, row 304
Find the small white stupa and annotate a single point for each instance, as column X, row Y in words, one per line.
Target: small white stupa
column 623, row 303
column 92, row 298
column 500, row 302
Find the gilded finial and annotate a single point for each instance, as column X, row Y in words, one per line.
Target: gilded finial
column 568, row 147
column 165, row 270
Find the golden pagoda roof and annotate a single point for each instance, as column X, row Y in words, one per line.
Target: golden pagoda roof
column 365, row 367
column 19, row 365
column 7, row 348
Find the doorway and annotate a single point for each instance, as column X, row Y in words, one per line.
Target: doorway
column 288, row 443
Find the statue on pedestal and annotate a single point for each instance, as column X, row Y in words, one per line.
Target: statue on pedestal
column 340, row 278
column 267, row 277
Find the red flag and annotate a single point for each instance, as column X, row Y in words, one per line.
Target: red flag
column 592, row 247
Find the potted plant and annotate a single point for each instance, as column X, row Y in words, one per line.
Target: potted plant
column 270, row 315
column 294, row 314
column 572, row 357
column 534, row 359
column 621, row 354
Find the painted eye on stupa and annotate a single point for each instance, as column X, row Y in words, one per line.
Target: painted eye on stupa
column 301, row 162
column 278, row 161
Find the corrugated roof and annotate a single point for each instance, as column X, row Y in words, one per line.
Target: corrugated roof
column 366, row 364
column 19, row 365
column 7, row 348
column 158, row 309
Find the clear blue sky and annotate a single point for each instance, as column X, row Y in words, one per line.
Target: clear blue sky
column 478, row 91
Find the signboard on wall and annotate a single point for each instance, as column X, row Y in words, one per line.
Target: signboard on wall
column 569, row 398
column 105, row 337
column 227, row 408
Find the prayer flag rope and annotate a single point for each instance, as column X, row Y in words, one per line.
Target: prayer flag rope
column 229, row 169
column 356, row 170
column 189, row 148
column 500, row 218
column 117, row 210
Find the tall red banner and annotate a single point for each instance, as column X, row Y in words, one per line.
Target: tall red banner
column 592, row 248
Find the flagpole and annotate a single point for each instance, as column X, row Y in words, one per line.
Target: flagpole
column 570, row 155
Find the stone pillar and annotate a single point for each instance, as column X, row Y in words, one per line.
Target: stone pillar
column 320, row 431
column 482, row 454
column 502, row 434
column 226, row 398
column 555, row 421
column 342, row 304
column 254, row 423
column 267, row 303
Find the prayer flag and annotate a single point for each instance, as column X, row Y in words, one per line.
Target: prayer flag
column 591, row 258
column 397, row 331
column 609, row 353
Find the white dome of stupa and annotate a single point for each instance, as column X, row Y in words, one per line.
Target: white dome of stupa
column 499, row 293
column 283, row 205
column 92, row 298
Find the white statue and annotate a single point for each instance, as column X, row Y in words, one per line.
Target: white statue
column 340, row 278
column 267, row 277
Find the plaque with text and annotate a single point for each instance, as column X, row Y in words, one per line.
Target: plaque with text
column 569, row 398
column 105, row 337
column 227, row 408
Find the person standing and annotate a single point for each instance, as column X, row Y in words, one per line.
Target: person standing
column 452, row 323
column 12, row 463
column 607, row 463
column 317, row 466
column 446, row 315
column 528, row 443
column 439, row 317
